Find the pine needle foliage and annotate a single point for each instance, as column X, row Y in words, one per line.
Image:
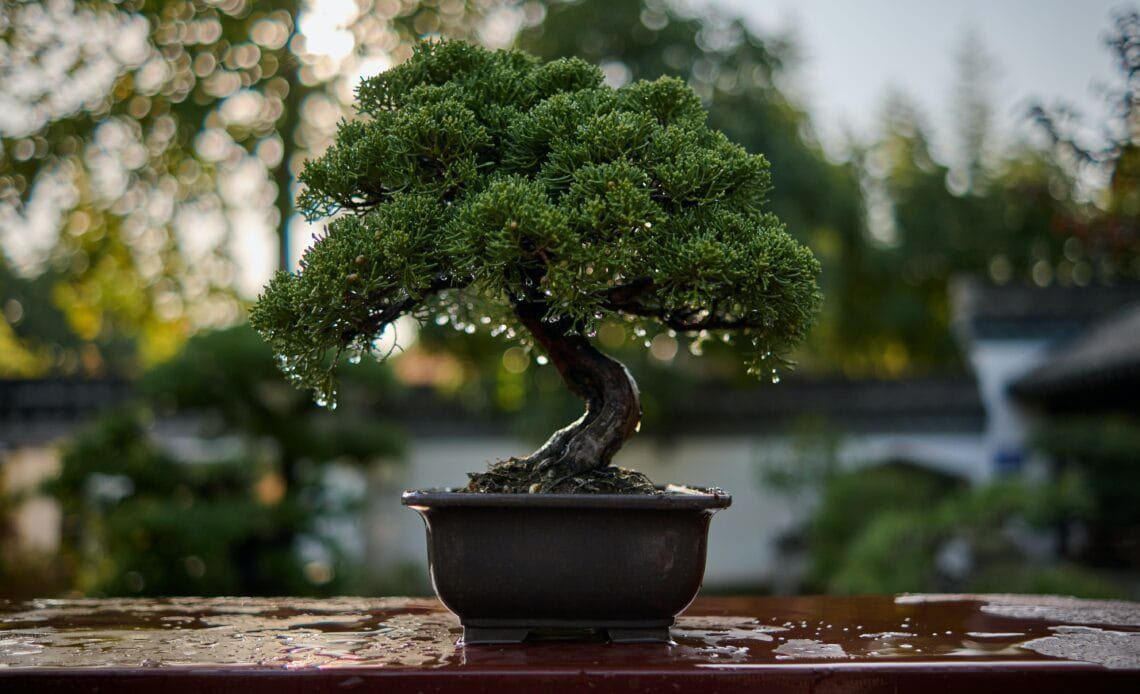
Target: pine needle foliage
column 477, row 179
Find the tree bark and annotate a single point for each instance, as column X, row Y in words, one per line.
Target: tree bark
column 613, row 404
column 288, row 125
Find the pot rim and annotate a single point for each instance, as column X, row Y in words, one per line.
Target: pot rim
column 694, row 499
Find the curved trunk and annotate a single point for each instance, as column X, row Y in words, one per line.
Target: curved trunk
column 613, row 405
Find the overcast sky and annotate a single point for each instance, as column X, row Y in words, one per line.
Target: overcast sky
column 855, row 51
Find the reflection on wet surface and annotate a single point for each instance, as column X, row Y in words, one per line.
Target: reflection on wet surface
column 1112, row 649
column 404, row 633
column 808, row 648
column 227, row 631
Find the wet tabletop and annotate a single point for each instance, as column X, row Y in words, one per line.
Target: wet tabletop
column 919, row 642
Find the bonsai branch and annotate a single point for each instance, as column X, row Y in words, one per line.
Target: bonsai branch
column 613, row 405
column 684, row 320
column 390, row 311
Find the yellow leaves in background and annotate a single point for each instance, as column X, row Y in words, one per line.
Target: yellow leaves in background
column 17, row 360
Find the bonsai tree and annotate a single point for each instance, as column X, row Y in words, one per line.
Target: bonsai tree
column 495, row 192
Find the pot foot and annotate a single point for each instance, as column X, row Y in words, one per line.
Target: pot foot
column 475, row 636
column 646, row 635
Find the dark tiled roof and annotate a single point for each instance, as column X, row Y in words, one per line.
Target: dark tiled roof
column 41, row 410
column 38, row 410
column 984, row 310
column 1103, row 361
column 948, row 404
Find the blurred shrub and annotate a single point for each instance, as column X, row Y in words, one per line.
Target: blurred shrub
column 892, row 552
column 1053, row 579
column 138, row 521
column 230, row 512
column 860, row 517
column 899, row 528
column 1103, row 452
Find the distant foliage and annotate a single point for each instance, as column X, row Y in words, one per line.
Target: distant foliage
column 896, row 528
column 139, row 522
column 137, row 133
column 141, row 517
column 1102, row 452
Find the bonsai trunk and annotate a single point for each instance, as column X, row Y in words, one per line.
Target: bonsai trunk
column 613, row 405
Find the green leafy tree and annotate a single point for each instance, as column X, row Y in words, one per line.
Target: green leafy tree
column 141, row 133
column 898, row 527
column 1104, row 239
column 498, row 192
column 1004, row 216
column 139, row 518
column 1102, row 451
column 139, row 521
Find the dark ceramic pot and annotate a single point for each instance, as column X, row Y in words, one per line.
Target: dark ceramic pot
column 512, row 564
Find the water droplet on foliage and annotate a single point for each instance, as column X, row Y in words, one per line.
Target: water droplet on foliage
column 441, row 320
column 542, row 360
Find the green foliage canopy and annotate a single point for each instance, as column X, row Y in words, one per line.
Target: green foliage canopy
column 477, row 179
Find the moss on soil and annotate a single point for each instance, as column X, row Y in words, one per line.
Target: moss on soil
column 513, row 476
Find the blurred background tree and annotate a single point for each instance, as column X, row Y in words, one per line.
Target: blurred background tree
column 150, row 148
column 246, row 505
column 1105, row 236
column 1101, row 452
column 899, row 527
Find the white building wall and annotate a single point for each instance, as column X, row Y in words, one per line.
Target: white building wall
column 997, row 363
column 743, row 538
column 963, row 454
column 36, row 519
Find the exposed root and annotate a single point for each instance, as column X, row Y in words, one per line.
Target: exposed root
column 517, row 476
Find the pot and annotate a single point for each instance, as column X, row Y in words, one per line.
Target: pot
column 517, row 565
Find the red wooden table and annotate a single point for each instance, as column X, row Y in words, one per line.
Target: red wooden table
column 927, row 643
